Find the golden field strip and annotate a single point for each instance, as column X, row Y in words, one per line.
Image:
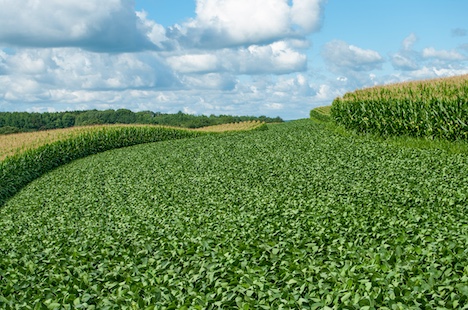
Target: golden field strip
column 446, row 88
column 325, row 110
column 17, row 143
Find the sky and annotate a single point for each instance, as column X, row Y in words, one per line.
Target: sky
column 238, row 57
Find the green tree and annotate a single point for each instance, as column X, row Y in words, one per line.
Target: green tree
column 68, row 120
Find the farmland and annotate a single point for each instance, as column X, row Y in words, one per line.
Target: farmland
column 14, row 144
column 293, row 217
column 27, row 156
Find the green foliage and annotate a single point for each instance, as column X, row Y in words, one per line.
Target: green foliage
column 295, row 217
column 321, row 114
column 435, row 109
column 9, row 130
column 25, row 122
column 68, row 120
column 19, row 170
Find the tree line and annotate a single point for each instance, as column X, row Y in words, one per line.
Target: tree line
column 13, row 122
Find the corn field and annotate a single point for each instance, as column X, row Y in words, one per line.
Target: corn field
column 14, row 144
column 435, row 108
column 26, row 156
column 321, row 113
column 18, row 170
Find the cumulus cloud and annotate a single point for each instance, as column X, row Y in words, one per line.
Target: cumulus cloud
column 409, row 42
column 431, row 52
column 341, row 56
column 275, row 58
column 195, row 63
column 230, row 23
column 406, row 59
column 102, row 26
column 429, row 62
column 32, row 75
column 234, row 57
column 213, row 81
column 307, row 14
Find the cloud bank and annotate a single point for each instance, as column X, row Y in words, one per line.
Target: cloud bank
column 231, row 23
column 101, row 26
column 233, row 57
column 342, row 56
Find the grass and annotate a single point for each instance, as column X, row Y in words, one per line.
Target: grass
column 296, row 217
column 431, row 108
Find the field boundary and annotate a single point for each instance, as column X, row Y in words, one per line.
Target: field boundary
column 18, row 170
column 402, row 141
column 321, row 114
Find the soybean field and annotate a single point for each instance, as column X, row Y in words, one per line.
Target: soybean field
column 293, row 217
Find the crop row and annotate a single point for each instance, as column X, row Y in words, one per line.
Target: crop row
column 295, row 217
column 432, row 108
column 18, row 170
column 42, row 151
column 321, row 114
column 13, row 144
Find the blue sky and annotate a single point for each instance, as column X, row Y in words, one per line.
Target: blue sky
column 240, row 57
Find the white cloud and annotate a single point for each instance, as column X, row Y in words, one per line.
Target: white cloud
column 230, row 23
column 428, row 61
column 427, row 72
column 196, row 63
column 103, row 26
column 404, row 61
column 34, row 75
column 307, row 14
column 341, row 56
column 431, row 52
column 409, row 42
column 274, row 58
column 214, row 81
column 68, row 55
column 155, row 33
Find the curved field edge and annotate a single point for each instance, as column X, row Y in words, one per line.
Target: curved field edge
column 295, row 218
column 13, row 144
column 322, row 115
column 18, row 170
column 436, row 108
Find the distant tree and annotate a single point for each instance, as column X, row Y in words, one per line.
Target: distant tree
column 145, row 117
column 24, row 121
column 8, row 130
column 90, row 117
column 68, row 120
column 124, row 116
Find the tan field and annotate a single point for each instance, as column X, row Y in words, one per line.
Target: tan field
column 16, row 143
column 231, row 127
